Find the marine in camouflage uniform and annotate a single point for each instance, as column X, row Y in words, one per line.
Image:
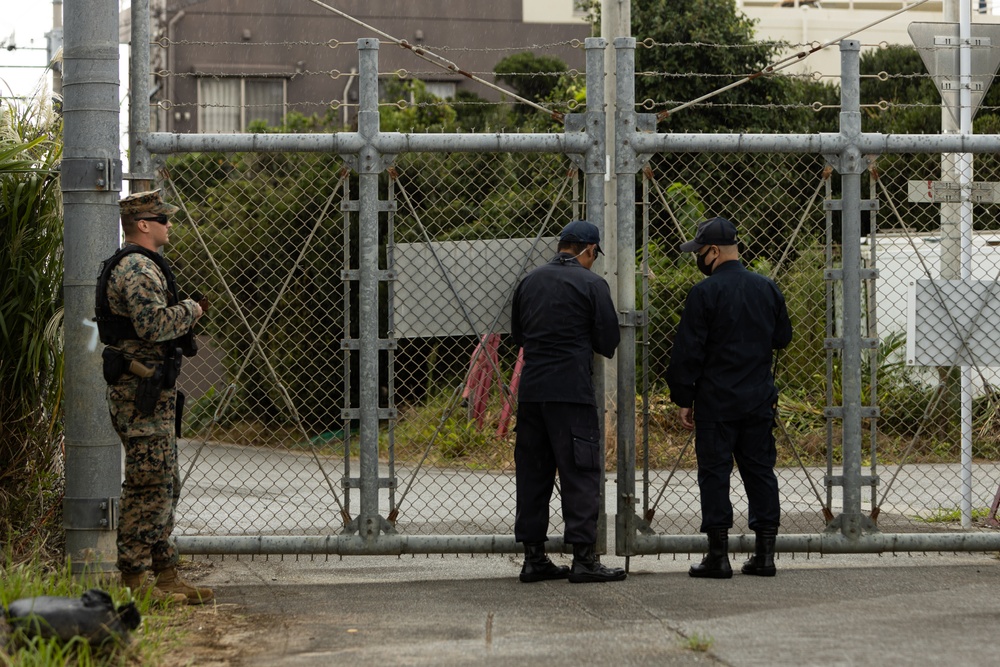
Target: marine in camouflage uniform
column 139, row 290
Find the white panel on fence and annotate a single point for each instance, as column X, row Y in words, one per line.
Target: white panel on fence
column 941, row 314
column 476, row 283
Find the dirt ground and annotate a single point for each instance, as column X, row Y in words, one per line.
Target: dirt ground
column 216, row 634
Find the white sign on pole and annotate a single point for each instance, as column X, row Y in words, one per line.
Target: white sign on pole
column 952, row 323
column 940, row 192
column 938, row 45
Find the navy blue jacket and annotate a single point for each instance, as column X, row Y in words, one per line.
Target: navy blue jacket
column 721, row 360
column 562, row 314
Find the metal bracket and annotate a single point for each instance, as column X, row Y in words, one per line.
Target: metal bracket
column 355, row 413
column 837, row 412
column 632, row 318
column 90, row 513
column 371, row 164
column 838, row 343
column 348, row 275
column 355, row 482
column 355, row 344
column 627, row 161
column 838, row 205
column 354, row 205
column 838, row 480
column 90, row 174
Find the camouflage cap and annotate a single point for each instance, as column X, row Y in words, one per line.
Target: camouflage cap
column 145, row 202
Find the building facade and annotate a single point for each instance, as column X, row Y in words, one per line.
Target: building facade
column 219, row 65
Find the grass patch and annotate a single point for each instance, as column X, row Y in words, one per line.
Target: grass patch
column 953, row 515
column 698, row 642
column 150, row 644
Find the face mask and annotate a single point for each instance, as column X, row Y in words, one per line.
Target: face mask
column 704, row 266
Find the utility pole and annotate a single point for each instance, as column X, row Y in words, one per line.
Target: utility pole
column 90, row 178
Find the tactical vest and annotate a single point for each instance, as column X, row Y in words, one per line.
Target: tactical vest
column 113, row 328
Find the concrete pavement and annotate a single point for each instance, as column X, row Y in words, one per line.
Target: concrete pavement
column 433, row 610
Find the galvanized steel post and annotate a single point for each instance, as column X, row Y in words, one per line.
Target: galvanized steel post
column 369, row 165
column 850, row 163
column 625, row 167
column 91, row 180
column 139, row 162
column 594, row 175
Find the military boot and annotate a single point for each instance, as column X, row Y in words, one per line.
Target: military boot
column 169, row 581
column 140, row 586
column 587, row 567
column 715, row 565
column 538, row 567
column 761, row 564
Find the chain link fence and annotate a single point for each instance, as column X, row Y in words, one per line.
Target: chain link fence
column 913, row 450
column 269, row 238
column 270, row 436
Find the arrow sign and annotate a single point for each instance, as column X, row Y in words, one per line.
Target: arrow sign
column 938, row 45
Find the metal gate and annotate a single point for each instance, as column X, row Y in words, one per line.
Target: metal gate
column 355, row 393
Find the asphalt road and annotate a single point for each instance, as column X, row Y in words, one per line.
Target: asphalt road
column 836, row 610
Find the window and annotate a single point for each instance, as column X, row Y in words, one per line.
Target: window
column 441, row 89
column 231, row 104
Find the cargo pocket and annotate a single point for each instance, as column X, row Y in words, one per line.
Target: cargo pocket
column 586, row 450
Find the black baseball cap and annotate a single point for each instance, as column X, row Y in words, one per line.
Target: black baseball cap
column 581, row 231
column 715, row 231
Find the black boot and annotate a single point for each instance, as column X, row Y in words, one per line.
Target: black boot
column 716, row 564
column 587, row 567
column 761, row 564
column 538, row 567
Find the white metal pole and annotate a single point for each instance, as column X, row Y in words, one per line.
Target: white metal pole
column 965, row 179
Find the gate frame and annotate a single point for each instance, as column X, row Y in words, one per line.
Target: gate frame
column 371, row 152
column 846, row 151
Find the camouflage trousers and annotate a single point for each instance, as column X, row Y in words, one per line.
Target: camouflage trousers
column 152, row 480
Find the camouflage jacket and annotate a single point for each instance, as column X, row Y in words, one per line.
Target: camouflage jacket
column 138, row 290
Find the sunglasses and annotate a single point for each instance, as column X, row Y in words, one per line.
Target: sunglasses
column 162, row 219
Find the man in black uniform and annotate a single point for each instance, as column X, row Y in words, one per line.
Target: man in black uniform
column 721, row 367
column 561, row 315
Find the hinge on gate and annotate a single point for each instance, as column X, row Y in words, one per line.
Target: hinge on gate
column 632, row 318
column 90, row 513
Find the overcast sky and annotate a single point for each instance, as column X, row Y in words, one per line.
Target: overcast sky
column 24, row 25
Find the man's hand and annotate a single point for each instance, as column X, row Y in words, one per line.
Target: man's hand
column 687, row 418
column 202, row 302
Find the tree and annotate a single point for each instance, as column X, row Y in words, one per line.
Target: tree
column 704, row 45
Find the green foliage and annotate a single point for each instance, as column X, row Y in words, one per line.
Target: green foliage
column 415, row 109
column 532, row 77
column 34, row 577
column 903, row 87
column 699, row 642
column 439, row 421
column 31, row 357
column 953, row 515
column 255, row 213
column 680, row 27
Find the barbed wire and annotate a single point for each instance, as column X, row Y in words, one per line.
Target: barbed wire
column 647, row 105
column 336, row 74
column 573, row 73
column 166, row 42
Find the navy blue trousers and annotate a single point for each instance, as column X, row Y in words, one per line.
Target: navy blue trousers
column 565, row 437
column 751, row 442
